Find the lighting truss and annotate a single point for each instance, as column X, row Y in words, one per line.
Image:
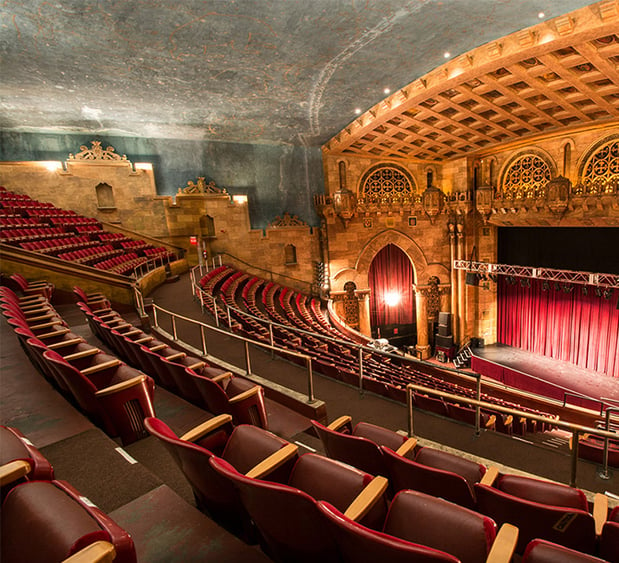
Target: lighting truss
column 549, row 274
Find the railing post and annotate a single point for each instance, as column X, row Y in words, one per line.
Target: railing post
column 247, row 359
column 271, row 340
column 604, row 473
column 409, row 406
column 575, row 437
column 155, row 319
column 215, row 312
column 174, row 334
column 229, row 317
column 203, row 338
column 310, row 381
column 360, row 369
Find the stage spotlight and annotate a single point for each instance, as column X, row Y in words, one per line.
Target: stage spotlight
column 598, row 292
column 392, row 298
column 545, row 286
column 607, row 293
column 585, row 291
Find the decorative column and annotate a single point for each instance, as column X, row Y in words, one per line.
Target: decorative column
column 461, row 323
column 423, row 348
column 364, row 312
column 453, row 280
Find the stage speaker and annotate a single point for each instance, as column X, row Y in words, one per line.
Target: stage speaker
column 472, row 279
column 444, row 330
column 444, row 318
column 444, row 341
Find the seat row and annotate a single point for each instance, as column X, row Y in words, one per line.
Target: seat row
column 44, row 519
column 539, row 509
column 114, row 395
column 192, row 378
column 307, row 508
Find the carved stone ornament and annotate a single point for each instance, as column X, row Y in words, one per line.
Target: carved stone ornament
column 287, row 220
column 201, row 187
column 97, row 152
column 344, row 204
column 483, row 201
column 558, row 194
column 432, row 201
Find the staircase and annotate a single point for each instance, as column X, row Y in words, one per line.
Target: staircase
column 463, row 357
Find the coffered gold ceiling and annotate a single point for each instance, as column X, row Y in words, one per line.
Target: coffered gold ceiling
column 563, row 73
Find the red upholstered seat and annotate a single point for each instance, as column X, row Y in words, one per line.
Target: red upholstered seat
column 48, row 521
column 244, row 447
column 291, row 526
column 609, row 541
column 542, row 551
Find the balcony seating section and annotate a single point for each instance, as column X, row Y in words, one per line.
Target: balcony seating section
column 287, row 515
column 301, row 325
column 50, row 520
column 194, row 379
column 114, row 395
column 247, row 448
column 43, row 228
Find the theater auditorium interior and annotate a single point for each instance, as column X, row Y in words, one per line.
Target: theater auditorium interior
column 274, row 272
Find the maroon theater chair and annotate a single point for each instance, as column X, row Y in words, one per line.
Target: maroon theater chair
column 49, row 521
column 291, row 526
column 248, row 449
column 542, row 551
column 420, row 527
column 609, row 541
column 29, row 288
column 436, row 473
column 540, row 509
column 361, row 446
column 114, row 395
column 20, row 459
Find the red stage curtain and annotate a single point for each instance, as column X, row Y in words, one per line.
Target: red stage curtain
column 577, row 326
column 391, row 270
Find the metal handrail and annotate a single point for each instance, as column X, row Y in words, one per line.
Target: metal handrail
column 575, row 429
column 203, row 326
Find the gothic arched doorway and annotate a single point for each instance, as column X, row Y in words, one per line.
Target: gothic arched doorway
column 392, row 300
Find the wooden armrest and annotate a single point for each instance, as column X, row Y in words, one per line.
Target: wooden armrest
column 65, row 343
column 45, row 325
column 366, row 499
column 245, row 395
column 39, row 304
column 37, row 283
column 158, row 347
column 32, row 299
column 97, row 552
column 339, row 422
column 32, row 311
column 504, row 545
column 58, row 332
column 491, row 421
column 176, row 356
column 82, row 354
column 221, row 376
column 14, row 470
column 406, row 446
column 275, row 460
column 109, row 313
column 206, row 427
column 196, row 366
column 131, row 332
column 145, row 339
column 115, row 321
column 100, row 367
column 120, row 386
column 123, row 324
column 40, row 317
column 600, row 511
column 490, row 476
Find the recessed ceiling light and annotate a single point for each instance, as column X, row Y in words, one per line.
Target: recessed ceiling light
column 541, row 15
column 357, row 111
column 446, row 54
column 386, row 90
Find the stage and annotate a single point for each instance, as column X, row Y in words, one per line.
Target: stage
column 545, row 376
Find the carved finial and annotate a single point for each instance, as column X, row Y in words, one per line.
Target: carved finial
column 96, row 152
column 287, row 220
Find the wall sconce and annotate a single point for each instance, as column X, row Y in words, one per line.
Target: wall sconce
column 432, row 201
column 344, row 204
column 558, row 194
column 483, row 201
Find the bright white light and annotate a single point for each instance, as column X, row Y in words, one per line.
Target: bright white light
column 386, row 91
column 239, row 199
column 447, row 54
column 52, row 166
column 541, row 15
column 357, row 111
column 392, row 298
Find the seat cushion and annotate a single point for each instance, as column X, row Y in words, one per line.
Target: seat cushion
column 379, row 435
column 438, row 459
column 544, row 492
column 42, row 523
column 542, row 551
column 249, row 445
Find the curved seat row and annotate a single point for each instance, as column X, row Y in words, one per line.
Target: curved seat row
column 115, row 396
column 44, row 519
column 539, row 509
column 194, row 379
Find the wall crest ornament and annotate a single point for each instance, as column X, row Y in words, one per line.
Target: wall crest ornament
column 201, row 187
column 97, row 152
column 287, row 220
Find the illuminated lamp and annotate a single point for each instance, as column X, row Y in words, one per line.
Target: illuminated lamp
column 193, row 240
column 392, row 298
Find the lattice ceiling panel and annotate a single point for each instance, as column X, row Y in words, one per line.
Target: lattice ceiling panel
column 557, row 75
